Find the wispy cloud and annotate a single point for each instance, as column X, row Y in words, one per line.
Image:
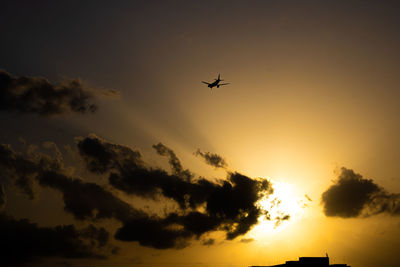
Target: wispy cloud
column 212, row 159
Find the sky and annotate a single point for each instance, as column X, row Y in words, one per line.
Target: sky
column 114, row 153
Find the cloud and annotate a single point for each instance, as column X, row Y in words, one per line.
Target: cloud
column 101, row 156
column 354, row 196
column 214, row 160
column 226, row 205
column 81, row 199
column 87, row 200
column 37, row 95
column 280, row 219
column 129, row 173
column 153, row 232
column 17, row 169
column 230, row 205
column 90, row 201
column 22, row 241
column 173, row 161
column 175, row 231
column 208, row 242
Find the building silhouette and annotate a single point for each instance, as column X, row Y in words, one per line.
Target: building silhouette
column 308, row 262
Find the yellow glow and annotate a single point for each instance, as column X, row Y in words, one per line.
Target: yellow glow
column 285, row 201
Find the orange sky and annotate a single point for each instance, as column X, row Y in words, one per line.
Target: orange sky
column 313, row 88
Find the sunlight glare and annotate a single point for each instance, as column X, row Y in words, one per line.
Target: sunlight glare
column 282, row 207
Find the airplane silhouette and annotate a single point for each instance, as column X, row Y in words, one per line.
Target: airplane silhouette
column 216, row 83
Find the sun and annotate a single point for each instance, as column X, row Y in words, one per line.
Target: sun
column 281, row 208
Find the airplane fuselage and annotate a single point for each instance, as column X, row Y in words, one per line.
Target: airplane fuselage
column 215, row 83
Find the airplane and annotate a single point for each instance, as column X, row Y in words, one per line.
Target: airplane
column 215, row 83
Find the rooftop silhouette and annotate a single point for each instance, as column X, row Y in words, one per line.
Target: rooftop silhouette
column 308, row 262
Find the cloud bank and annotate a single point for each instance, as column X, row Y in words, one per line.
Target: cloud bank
column 38, row 96
column 228, row 205
column 81, row 199
column 22, row 241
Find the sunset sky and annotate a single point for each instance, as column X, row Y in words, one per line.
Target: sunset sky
column 113, row 153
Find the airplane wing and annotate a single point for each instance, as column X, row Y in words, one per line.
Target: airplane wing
column 205, row 82
column 223, row 84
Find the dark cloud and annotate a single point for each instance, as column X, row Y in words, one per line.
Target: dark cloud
column 354, row 196
column 37, row 95
column 102, row 156
column 22, row 241
column 129, row 173
column 175, row 231
column 17, row 169
column 81, row 199
column 87, row 200
column 208, row 242
column 154, row 232
column 173, row 161
column 3, row 197
column 229, row 205
column 214, row 160
column 90, row 201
